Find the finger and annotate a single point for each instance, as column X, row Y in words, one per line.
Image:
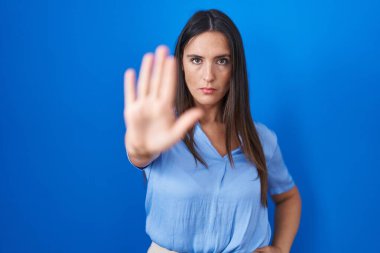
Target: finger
column 159, row 61
column 129, row 87
column 185, row 122
column 144, row 75
column 169, row 81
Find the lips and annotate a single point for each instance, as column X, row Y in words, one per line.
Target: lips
column 207, row 90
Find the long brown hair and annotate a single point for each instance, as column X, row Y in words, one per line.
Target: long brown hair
column 236, row 110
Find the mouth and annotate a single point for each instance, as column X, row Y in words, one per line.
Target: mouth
column 208, row 90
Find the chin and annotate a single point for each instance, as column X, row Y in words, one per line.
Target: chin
column 206, row 101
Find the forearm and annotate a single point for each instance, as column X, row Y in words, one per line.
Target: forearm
column 287, row 220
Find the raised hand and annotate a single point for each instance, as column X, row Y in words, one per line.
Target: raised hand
column 149, row 115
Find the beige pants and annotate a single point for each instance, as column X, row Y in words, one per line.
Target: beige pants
column 155, row 248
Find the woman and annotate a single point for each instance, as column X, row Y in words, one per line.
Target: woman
column 209, row 166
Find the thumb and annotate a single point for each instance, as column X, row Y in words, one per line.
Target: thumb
column 185, row 122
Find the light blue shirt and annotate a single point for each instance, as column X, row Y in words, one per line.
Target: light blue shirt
column 193, row 209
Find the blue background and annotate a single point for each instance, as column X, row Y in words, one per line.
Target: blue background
column 65, row 182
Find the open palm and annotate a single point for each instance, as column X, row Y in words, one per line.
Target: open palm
column 149, row 115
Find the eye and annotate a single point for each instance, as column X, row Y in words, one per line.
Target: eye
column 224, row 61
column 195, row 60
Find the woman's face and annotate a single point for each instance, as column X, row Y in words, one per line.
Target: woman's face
column 207, row 67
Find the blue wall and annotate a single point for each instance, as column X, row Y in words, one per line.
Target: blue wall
column 65, row 182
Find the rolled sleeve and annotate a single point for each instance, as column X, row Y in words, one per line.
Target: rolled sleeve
column 279, row 178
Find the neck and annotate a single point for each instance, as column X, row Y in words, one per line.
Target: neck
column 212, row 114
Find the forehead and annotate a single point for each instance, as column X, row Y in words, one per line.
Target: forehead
column 208, row 44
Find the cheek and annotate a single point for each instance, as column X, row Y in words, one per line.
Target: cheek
column 188, row 79
column 226, row 81
column 191, row 77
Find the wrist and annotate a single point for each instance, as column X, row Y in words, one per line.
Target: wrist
column 134, row 151
column 138, row 154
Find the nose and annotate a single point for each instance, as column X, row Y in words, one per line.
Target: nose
column 208, row 73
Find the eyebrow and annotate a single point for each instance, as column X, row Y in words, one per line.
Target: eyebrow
column 198, row 56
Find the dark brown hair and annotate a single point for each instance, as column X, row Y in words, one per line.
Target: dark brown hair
column 236, row 109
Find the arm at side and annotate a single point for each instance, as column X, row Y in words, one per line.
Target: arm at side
column 287, row 218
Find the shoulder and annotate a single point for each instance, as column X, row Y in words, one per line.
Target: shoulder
column 268, row 138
